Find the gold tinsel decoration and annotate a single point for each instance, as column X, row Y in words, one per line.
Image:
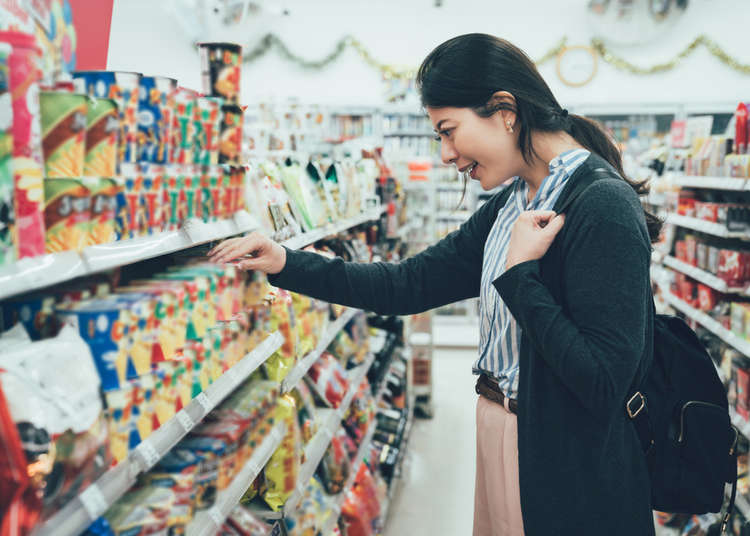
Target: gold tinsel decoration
column 397, row 72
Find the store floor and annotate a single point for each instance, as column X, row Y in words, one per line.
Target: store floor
column 437, row 492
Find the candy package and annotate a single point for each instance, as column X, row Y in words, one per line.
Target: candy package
column 65, row 445
column 328, row 380
column 282, row 469
column 335, row 467
column 244, row 523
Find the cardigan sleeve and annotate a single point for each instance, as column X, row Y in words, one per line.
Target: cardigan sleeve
column 446, row 272
column 596, row 341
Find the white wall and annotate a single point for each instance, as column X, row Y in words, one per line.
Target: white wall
column 148, row 39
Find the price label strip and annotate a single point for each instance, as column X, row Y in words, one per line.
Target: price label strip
column 205, row 402
column 93, row 502
column 148, row 453
column 216, row 516
column 185, row 420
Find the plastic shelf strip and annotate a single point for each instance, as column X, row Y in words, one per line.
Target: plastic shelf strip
column 716, row 183
column 700, row 275
column 703, row 226
column 298, row 372
column 78, row 514
column 208, row 522
column 305, row 239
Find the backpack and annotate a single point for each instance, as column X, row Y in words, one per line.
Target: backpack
column 681, row 414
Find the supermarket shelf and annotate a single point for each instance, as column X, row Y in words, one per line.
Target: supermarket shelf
column 716, row 183
column 39, row 272
column 703, row 226
column 338, row 501
column 709, row 323
column 78, row 514
column 305, row 239
column 740, row 423
column 740, row 502
column 316, row 448
column 301, row 368
column 454, row 215
column 700, row 275
column 397, row 476
column 208, row 522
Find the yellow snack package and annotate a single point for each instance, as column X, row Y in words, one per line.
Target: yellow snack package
column 282, row 469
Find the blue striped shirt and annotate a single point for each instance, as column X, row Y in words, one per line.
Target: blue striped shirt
column 499, row 334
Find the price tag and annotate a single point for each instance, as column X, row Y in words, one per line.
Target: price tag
column 185, row 420
column 204, row 401
column 234, row 376
column 328, row 434
column 255, row 468
column 148, row 453
column 216, row 516
column 93, row 502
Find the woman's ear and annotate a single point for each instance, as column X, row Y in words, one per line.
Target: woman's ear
column 505, row 104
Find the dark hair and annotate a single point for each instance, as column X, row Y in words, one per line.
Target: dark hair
column 466, row 71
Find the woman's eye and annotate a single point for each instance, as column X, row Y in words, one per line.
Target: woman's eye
column 443, row 133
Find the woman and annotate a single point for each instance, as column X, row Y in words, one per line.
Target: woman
column 566, row 308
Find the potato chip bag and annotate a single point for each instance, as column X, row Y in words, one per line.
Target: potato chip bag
column 282, row 469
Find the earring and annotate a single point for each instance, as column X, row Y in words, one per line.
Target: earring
column 510, row 128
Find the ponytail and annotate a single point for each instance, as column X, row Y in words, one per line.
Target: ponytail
column 589, row 134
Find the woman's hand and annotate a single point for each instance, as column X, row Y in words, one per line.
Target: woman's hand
column 532, row 236
column 254, row 251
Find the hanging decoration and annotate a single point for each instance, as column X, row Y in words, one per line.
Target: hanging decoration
column 390, row 72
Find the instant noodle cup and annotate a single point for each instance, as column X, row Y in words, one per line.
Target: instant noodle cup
column 100, row 159
column 220, row 64
column 134, row 200
column 27, row 160
column 67, row 212
column 103, row 191
column 208, row 126
column 123, row 88
column 155, row 118
column 153, row 198
column 171, row 199
column 63, row 133
column 7, row 220
column 183, row 125
column 230, row 137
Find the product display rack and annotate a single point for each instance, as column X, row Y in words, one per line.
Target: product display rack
column 305, row 239
column 701, row 275
column 78, row 514
column 715, row 183
column 210, row 521
column 35, row 273
column 707, row 227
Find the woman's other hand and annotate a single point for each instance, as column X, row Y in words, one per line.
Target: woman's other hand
column 532, row 236
column 252, row 252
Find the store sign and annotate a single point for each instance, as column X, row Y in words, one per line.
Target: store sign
column 678, row 133
column 41, row 10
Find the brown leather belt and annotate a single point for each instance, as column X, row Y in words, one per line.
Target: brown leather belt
column 488, row 388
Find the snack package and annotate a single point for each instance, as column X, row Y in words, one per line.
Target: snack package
column 148, row 510
column 7, row 219
column 183, row 125
column 103, row 126
column 67, row 214
column 281, row 471
column 361, row 510
column 63, row 133
column 65, row 445
column 28, row 162
column 103, row 193
column 361, row 412
column 230, row 137
column 328, row 380
column 36, row 312
column 208, row 451
column 312, row 513
column 245, row 523
column 306, row 414
column 335, row 467
column 155, row 118
column 283, row 320
column 220, row 65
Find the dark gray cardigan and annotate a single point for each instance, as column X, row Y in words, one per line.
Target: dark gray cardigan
column 585, row 310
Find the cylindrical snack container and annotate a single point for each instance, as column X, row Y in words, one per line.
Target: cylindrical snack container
column 103, row 192
column 183, row 125
column 220, row 64
column 102, row 130
column 27, row 163
column 63, row 133
column 7, row 214
column 230, row 138
column 67, row 212
column 123, row 88
column 154, row 118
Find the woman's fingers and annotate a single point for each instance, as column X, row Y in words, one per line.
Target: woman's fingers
column 554, row 225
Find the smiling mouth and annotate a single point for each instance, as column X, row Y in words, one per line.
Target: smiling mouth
column 468, row 168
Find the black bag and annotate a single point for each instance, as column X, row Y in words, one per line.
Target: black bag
column 681, row 415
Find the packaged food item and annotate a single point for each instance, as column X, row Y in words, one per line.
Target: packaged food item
column 312, row 513
column 230, row 138
column 183, row 125
column 103, row 194
column 209, row 122
column 233, row 435
column 67, row 214
column 123, row 88
column 220, row 64
column 7, row 219
column 152, row 198
column 306, row 413
column 283, row 320
column 65, row 446
column 329, row 380
column 102, row 132
column 155, row 118
column 209, row 451
column 36, row 312
column 282, row 469
column 335, row 467
column 27, row 163
column 134, row 200
column 63, row 133
column 146, row 510
column 246, row 524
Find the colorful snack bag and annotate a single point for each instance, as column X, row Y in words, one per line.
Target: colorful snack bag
column 220, row 63
column 209, row 451
column 207, row 127
column 176, row 471
column 103, row 194
column 135, row 204
column 183, row 125
column 7, row 220
column 329, row 380
column 102, row 132
column 230, row 138
column 63, row 133
column 155, row 118
column 67, row 213
column 28, row 162
column 123, row 88
column 282, row 469
column 152, row 199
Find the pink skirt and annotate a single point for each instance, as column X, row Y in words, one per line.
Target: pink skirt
column 497, row 500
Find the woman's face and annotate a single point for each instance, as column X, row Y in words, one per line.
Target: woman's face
column 484, row 146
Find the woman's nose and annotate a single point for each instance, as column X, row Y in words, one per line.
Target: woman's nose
column 448, row 153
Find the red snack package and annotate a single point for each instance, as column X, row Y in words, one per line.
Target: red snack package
column 707, row 297
column 729, row 268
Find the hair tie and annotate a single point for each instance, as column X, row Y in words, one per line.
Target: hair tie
column 564, row 112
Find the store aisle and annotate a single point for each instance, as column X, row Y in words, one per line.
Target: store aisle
column 437, row 494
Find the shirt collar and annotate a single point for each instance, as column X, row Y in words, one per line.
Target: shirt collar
column 561, row 168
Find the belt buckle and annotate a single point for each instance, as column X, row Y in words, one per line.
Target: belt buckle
column 634, row 413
